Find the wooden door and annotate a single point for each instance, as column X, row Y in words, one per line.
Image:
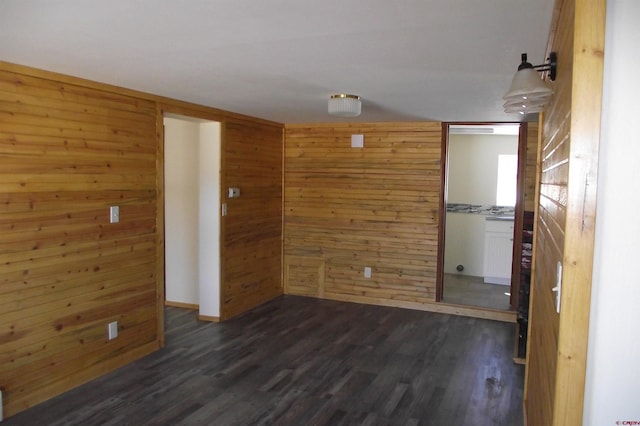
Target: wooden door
column 565, row 218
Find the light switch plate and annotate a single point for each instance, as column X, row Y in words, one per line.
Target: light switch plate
column 113, row 330
column 114, row 214
column 558, row 288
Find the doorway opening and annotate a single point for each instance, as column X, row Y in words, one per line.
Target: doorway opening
column 481, row 178
column 192, row 162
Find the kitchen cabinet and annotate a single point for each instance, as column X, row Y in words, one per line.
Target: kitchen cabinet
column 498, row 250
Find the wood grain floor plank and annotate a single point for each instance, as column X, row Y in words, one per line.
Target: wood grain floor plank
column 305, row 361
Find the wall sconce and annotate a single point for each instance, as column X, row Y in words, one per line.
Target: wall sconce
column 528, row 92
column 343, row 105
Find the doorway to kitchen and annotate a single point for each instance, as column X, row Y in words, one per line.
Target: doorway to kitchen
column 480, row 197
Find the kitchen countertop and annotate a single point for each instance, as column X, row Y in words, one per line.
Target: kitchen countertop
column 479, row 209
column 499, row 218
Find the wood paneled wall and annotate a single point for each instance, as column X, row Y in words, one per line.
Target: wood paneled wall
column 550, row 234
column 252, row 252
column 350, row 208
column 566, row 217
column 69, row 149
column 68, row 153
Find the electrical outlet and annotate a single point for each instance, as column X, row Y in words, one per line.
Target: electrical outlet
column 367, row 272
column 113, row 330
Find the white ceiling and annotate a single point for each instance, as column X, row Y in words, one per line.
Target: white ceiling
column 445, row 60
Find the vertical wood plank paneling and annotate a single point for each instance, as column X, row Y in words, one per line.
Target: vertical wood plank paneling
column 351, row 208
column 67, row 153
column 252, row 238
column 565, row 225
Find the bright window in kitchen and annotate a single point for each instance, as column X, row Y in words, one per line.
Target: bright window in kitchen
column 507, row 180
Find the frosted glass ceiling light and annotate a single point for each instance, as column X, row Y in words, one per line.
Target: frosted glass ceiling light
column 528, row 92
column 343, row 105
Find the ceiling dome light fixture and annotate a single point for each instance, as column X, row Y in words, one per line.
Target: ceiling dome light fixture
column 343, row 105
column 528, row 92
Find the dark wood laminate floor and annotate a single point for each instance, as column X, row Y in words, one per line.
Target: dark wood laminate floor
column 303, row 361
